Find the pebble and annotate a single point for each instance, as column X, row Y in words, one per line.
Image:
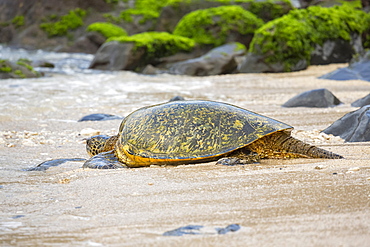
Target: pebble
column 89, row 132
column 354, row 169
column 29, row 143
column 64, row 181
column 319, row 167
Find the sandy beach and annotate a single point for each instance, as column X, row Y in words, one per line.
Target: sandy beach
column 301, row 202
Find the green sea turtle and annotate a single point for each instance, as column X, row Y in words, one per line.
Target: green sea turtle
column 184, row 132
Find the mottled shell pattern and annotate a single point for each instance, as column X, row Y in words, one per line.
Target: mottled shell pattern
column 189, row 130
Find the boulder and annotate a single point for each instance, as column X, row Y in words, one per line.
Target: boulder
column 88, row 43
column 20, row 70
column 220, row 60
column 358, row 69
column 352, row 127
column 115, row 55
column 362, row 102
column 315, row 35
column 219, row 25
column 336, row 51
column 254, row 63
column 314, row 98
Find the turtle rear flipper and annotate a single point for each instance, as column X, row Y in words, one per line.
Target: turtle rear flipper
column 106, row 160
column 282, row 145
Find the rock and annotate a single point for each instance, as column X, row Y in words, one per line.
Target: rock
column 292, row 42
column 217, row 61
column 88, row 43
column 49, row 163
column 6, row 34
column 362, row 102
column 151, row 70
column 219, row 25
column 313, row 98
column 171, row 14
column 199, row 230
column 336, row 51
column 358, row 69
column 117, row 56
column 352, row 127
column 99, row 117
column 253, row 63
column 21, row 69
column 177, row 98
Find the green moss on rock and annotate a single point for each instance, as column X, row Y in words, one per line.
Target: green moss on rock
column 158, row 44
column 4, row 66
column 18, row 21
column 293, row 37
column 212, row 26
column 108, row 30
column 71, row 21
column 146, row 14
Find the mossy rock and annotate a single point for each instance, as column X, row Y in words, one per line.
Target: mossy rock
column 136, row 51
column 19, row 70
column 219, row 25
column 146, row 15
column 106, row 29
column 157, row 44
column 61, row 26
column 176, row 9
column 291, row 38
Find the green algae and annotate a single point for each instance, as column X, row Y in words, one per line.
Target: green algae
column 71, row 21
column 108, row 30
column 293, row 37
column 158, row 44
column 213, row 25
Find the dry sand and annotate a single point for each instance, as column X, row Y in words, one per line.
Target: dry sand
column 301, row 202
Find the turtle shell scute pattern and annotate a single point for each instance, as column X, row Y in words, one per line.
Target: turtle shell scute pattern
column 192, row 129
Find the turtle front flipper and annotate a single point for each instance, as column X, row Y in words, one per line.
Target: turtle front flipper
column 106, row 160
column 239, row 157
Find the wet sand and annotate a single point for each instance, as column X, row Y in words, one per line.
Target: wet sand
column 301, row 202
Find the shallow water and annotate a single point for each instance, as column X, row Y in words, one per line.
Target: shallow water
column 301, row 202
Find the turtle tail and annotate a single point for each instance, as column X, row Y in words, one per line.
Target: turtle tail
column 291, row 145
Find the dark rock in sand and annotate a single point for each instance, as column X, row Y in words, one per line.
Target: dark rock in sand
column 190, row 229
column 177, row 98
column 358, row 69
column 362, row 102
column 49, row 163
column 196, row 230
column 99, row 117
column 220, row 60
column 352, row 127
column 313, row 98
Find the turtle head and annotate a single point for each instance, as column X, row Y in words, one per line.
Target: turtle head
column 100, row 143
